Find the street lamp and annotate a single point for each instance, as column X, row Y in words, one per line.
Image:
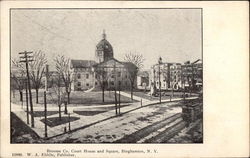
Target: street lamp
column 159, row 63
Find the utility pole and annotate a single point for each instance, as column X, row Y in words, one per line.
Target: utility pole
column 45, row 115
column 183, row 83
column 45, row 100
column 115, row 89
column 46, row 77
column 154, row 88
column 27, row 100
column 159, row 62
column 119, row 97
column 26, row 59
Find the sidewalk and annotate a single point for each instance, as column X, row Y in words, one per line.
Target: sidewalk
column 83, row 121
column 134, row 97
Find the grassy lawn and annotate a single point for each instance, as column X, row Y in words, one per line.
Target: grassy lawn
column 55, row 121
column 20, row 132
column 88, row 113
column 166, row 95
column 41, row 113
column 76, row 97
column 96, row 98
column 94, row 111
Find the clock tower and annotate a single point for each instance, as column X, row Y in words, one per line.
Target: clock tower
column 104, row 50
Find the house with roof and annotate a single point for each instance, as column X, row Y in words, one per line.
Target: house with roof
column 143, row 80
column 103, row 72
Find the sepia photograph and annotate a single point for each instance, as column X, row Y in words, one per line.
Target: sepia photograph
column 106, row 75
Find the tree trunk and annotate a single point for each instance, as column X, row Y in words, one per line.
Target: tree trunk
column 21, row 95
column 60, row 118
column 172, row 91
column 132, row 93
column 115, row 103
column 37, row 95
column 103, row 94
column 66, row 109
column 68, row 97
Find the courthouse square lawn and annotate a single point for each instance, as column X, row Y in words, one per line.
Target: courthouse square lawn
column 146, row 95
column 77, row 98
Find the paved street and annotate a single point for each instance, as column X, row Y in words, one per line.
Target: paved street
column 147, row 120
column 142, row 122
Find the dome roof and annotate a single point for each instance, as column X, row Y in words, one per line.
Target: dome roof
column 105, row 46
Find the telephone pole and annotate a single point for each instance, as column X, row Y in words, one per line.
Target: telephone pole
column 45, row 116
column 115, row 78
column 27, row 100
column 119, row 97
column 26, row 59
column 160, row 62
column 45, row 100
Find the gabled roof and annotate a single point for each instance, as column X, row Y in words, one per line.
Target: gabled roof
column 82, row 63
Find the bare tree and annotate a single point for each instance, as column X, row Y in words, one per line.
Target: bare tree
column 61, row 95
column 37, row 68
column 63, row 69
column 102, row 78
column 135, row 58
column 18, row 76
column 134, row 62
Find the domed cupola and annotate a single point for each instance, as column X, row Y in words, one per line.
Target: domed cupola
column 104, row 50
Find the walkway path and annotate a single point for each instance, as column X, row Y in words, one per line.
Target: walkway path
column 134, row 97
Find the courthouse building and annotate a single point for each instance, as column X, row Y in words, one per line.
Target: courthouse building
column 105, row 70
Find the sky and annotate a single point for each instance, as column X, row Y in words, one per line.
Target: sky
column 173, row 34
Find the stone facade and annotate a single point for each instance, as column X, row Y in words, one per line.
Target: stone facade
column 176, row 76
column 192, row 75
column 104, row 71
column 170, row 76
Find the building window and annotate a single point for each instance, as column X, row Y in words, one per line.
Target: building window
column 95, row 83
column 87, row 76
column 120, row 83
column 78, row 76
column 112, row 83
column 79, row 84
column 119, row 74
column 87, row 84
